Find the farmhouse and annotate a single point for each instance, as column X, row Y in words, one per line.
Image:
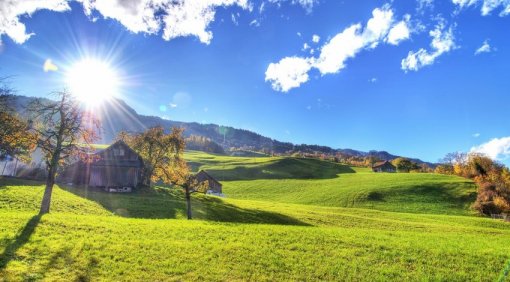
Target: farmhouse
column 384, row 166
column 116, row 169
column 215, row 187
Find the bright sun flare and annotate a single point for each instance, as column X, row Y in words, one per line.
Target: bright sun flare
column 92, row 81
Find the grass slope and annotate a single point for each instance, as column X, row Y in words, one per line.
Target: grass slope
column 323, row 183
column 279, row 227
column 312, row 243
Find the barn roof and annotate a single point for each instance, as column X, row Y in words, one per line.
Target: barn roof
column 382, row 163
column 202, row 176
column 107, row 159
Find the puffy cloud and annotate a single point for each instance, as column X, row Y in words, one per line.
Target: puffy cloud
column 288, row 73
column 175, row 18
column 179, row 18
column 291, row 72
column 442, row 42
column 399, row 32
column 497, row 148
column 334, row 53
column 11, row 11
column 487, row 5
column 485, row 48
column 353, row 39
column 316, row 38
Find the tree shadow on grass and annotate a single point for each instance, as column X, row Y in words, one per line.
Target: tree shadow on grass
column 285, row 168
column 161, row 203
column 14, row 181
column 21, row 239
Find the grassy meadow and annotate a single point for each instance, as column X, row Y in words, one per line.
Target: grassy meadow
column 283, row 219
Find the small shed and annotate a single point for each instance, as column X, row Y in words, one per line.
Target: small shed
column 215, row 187
column 384, row 166
column 117, row 168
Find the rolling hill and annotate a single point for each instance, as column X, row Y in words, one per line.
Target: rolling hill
column 97, row 236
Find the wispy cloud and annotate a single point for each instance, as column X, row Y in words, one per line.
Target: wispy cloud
column 476, row 135
column 443, row 41
column 487, row 6
column 485, row 48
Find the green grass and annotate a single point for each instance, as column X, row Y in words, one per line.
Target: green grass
column 323, row 183
column 338, row 223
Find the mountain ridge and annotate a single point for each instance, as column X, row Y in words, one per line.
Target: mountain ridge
column 116, row 116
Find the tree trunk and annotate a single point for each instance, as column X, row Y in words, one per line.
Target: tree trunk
column 15, row 168
column 3, row 170
column 188, row 202
column 46, row 201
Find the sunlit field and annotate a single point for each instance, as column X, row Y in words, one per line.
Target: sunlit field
column 324, row 227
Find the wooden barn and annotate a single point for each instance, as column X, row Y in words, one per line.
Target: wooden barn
column 115, row 169
column 215, row 187
column 384, row 166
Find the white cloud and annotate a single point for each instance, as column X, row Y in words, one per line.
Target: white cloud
column 306, row 4
column 373, row 80
column 487, row 5
column 175, row 18
column 485, row 48
column 172, row 105
column 305, row 47
column 234, row 19
column 425, row 4
column 497, row 148
column 353, row 39
column 476, row 135
column 11, row 12
column 334, row 53
column 442, row 42
column 255, row 23
column 399, row 32
column 288, row 73
column 316, row 38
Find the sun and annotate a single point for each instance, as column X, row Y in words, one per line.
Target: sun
column 92, row 81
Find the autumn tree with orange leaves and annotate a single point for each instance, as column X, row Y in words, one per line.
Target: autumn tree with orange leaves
column 162, row 154
column 15, row 138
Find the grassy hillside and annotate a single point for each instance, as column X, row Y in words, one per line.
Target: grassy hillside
column 304, row 242
column 323, row 183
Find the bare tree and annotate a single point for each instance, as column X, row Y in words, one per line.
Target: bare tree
column 64, row 130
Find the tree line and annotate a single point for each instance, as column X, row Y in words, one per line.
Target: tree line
column 491, row 177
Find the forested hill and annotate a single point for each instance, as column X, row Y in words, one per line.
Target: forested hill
column 118, row 116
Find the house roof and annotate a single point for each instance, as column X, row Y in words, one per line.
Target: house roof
column 382, row 163
column 202, row 175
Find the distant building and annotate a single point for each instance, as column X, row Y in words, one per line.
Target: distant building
column 384, row 166
column 115, row 169
column 215, row 187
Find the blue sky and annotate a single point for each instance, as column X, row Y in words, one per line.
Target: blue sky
column 415, row 78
